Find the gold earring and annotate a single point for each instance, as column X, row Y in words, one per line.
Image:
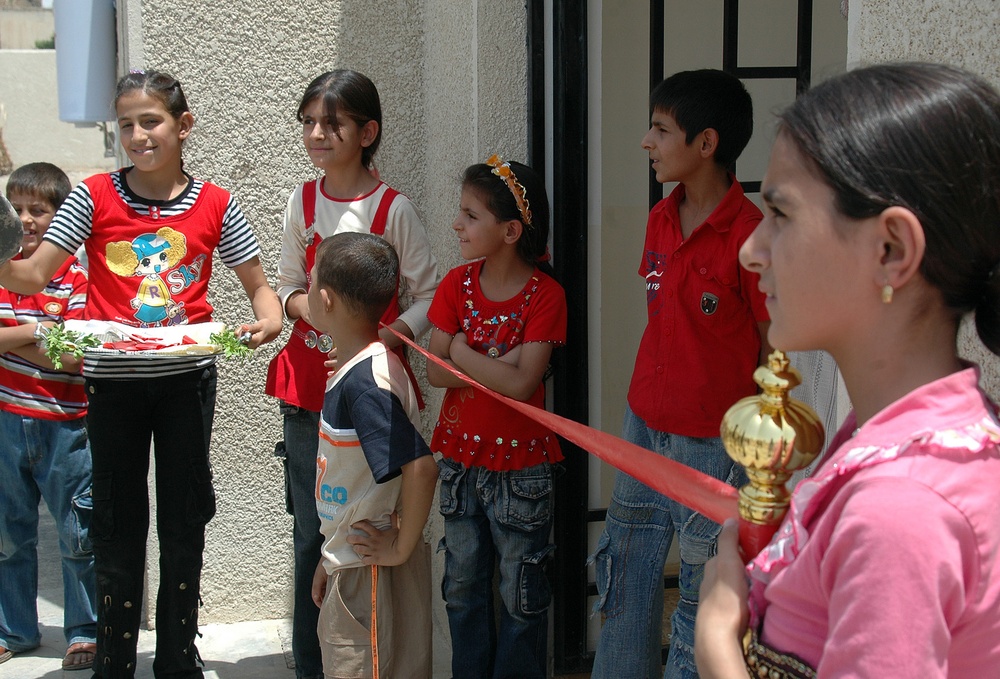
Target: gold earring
column 887, row 294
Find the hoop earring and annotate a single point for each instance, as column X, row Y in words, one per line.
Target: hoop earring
column 887, row 294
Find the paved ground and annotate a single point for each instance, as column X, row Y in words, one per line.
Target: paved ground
column 247, row 650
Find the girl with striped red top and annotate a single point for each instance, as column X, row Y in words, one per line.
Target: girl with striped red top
column 150, row 232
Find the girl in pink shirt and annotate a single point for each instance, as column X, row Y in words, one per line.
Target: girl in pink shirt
column 882, row 230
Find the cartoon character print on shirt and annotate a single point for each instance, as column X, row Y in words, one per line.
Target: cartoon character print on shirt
column 153, row 256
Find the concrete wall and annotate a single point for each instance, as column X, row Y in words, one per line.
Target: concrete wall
column 451, row 74
column 33, row 131
column 959, row 32
column 20, row 28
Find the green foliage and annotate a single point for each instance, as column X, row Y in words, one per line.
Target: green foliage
column 59, row 341
column 231, row 345
column 49, row 44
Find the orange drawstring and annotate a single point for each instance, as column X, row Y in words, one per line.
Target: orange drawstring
column 374, row 623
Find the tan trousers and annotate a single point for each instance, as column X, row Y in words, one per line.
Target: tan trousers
column 403, row 610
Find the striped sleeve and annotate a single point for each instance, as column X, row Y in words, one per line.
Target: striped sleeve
column 76, row 277
column 72, row 223
column 238, row 243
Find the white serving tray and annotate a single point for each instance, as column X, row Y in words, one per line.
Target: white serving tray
column 110, row 331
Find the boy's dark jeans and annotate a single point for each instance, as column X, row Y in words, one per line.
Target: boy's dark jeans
column 176, row 412
column 301, row 432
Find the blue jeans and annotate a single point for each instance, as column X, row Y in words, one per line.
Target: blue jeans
column 490, row 515
column 301, row 432
column 176, row 413
column 632, row 552
column 44, row 459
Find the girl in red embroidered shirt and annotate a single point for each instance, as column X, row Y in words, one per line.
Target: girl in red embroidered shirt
column 497, row 320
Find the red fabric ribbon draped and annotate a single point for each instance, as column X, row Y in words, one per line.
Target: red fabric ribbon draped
column 702, row 493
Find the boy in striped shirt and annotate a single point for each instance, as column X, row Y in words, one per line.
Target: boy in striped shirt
column 43, row 438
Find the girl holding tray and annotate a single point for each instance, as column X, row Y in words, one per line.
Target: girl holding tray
column 150, row 231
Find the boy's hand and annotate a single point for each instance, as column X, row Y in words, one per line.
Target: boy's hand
column 320, row 579
column 377, row 547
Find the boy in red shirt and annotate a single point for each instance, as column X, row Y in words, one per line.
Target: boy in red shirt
column 706, row 333
column 43, row 438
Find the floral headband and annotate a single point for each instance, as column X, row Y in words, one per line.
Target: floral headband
column 501, row 168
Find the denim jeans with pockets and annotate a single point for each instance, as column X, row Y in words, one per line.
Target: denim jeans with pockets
column 490, row 516
column 301, row 432
column 47, row 459
column 631, row 554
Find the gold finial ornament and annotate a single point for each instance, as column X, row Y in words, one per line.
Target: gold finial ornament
column 772, row 435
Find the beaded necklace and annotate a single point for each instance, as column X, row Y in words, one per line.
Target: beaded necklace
column 485, row 335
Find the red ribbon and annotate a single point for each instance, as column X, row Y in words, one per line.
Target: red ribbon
column 703, row 493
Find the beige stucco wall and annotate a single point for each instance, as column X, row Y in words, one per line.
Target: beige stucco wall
column 959, row 32
column 451, row 74
column 20, row 28
column 33, row 131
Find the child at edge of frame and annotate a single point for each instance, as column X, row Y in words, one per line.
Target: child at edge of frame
column 705, row 335
column 881, row 235
column 497, row 319
column 44, row 451
column 375, row 476
column 341, row 116
column 138, row 223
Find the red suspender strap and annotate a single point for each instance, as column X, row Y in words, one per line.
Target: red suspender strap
column 392, row 311
column 382, row 213
column 309, row 202
column 378, row 229
column 309, row 213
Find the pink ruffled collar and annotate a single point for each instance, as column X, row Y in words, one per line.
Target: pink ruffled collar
column 950, row 416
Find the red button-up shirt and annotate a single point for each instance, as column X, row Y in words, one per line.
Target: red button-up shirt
column 701, row 344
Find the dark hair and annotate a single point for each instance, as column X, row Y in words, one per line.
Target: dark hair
column 42, row 180
column 925, row 137
column 532, row 246
column 708, row 98
column 354, row 94
column 157, row 84
column 362, row 269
